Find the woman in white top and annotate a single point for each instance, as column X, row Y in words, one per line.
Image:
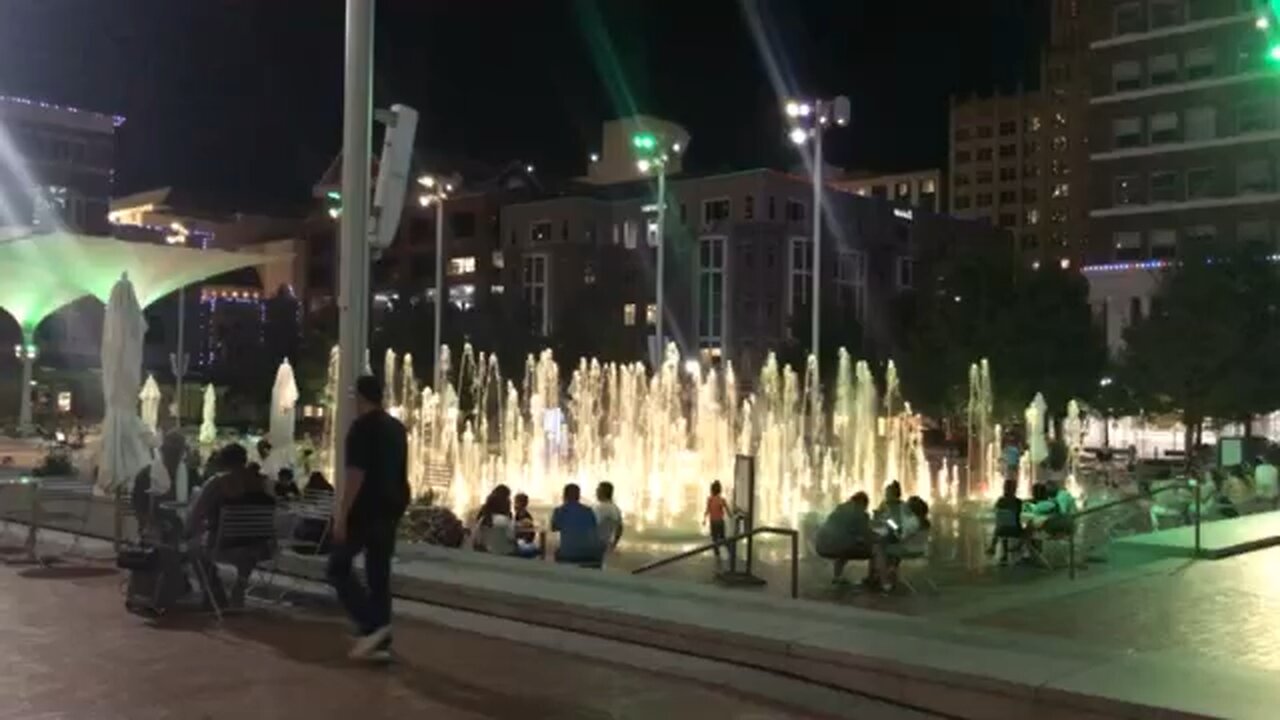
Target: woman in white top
column 494, row 530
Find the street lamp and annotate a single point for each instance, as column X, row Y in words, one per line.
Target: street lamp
column 809, row 119
column 178, row 234
column 435, row 190
column 653, row 152
column 1267, row 23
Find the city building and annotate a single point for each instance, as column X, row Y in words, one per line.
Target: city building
column 1020, row 161
column 739, row 276
column 1183, row 140
column 58, row 165
column 921, row 189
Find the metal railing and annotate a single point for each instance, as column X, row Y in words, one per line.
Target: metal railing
column 733, row 540
column 1194, row 487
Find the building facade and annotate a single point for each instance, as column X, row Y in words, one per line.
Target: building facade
column 58, row 167
column 1184, row 130
column 919, row 189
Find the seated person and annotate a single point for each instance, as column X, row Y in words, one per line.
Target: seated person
column 494, row 530
column 1052, row 509
column 903, row 539
column 579, row 536
column 608, row 517
column 846, row 535
column 158, row 482
column 236, row 486
column 286, row 488
column 1008, row 520
column 317, row 483
column 526, row 528
column 1266, row 481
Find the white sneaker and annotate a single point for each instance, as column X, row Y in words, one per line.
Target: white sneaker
column 366, row 645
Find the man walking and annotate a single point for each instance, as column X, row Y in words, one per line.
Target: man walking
column 372, row 498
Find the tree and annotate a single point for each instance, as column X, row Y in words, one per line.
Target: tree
column 1207, row 347
column 840, row 329
column 1034, row 326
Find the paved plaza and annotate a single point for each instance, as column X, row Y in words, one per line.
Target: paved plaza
column 72, row 652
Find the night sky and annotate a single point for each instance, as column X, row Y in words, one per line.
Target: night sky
column 242, row 98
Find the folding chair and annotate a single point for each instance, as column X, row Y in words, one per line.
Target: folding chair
column 316, row 507
column 918, row 556
column 68, row 500
column 240, row 527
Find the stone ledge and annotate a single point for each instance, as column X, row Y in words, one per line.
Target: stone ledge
column 954, row 670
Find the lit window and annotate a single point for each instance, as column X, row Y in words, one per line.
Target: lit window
column 629, row 314
column 540, row 232
column 462, row 265
column 902, row 191
column 1123, row 191
column 1033, row 123
column 651, row 314
column 1061, row 190
column 1033, row 216
column 928, row 186
column 1059, row 119
column 463, row 297
column 1060, row 143
column 498, row 260
column 497, row 289
column 1128, row 245
column 651, row 233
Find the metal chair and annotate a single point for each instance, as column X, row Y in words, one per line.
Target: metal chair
column 917, row 554
column 240, row 527
column 315, row 506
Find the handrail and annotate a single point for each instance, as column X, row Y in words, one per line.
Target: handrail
column 1182, row 485
column 795, row 553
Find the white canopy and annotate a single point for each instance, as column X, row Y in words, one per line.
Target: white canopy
column 284, row 418
column 208, row 426
column 124, row 449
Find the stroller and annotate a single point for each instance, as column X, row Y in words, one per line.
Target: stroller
column 157, row 566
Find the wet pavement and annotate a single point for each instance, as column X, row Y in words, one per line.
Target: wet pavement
column 71, row 651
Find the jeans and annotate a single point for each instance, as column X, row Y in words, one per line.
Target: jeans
column 369, row 608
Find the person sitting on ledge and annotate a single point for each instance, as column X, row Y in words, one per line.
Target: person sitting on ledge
column 579, row 535
column 494, row 530
column 904, row 538
column 846, row 535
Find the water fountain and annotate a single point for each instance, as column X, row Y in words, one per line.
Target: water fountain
column 983, row 476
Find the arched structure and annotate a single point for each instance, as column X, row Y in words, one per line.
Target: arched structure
column 40, row 273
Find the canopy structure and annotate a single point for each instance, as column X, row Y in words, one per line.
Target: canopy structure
column 43, row 272
column 92, row 263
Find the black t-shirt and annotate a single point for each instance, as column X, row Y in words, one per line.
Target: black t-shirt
column 378, row 445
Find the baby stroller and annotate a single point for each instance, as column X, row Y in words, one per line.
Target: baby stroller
column 157, row 568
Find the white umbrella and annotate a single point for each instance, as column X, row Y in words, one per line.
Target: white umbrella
column 284, row 418
column 1036, row 442
column 124, row 450
column 150, row 397
column 208, row 428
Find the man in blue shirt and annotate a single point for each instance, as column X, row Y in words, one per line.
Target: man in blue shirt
column 576, row 523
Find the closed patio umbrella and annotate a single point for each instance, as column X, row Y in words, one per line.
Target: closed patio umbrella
column 284, row 419
column 208, row 426
column 150, row 399
column 124, row 448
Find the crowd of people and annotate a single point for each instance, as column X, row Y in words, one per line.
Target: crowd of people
column 587, row 535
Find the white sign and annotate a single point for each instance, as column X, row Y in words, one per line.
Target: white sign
column 904, row 213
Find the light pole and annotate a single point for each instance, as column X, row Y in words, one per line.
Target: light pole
column 353, row 266
column 653, row 151
column 809, row 119
column 26, row 352
column 435, row 192
column 178, row 360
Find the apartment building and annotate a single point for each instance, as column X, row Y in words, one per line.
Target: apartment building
column 1184, row 139
column 1020, row 161
column 919, row 189
column 739, row 260
column 66, row 157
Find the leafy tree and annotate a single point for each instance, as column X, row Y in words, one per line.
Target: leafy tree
column 839, row 330
column 1208, row 346
column 1034, row 326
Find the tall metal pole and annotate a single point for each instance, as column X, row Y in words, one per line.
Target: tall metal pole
column 438, row 383
column 180, row 358
column 662, row 264
column 26, row 353
column 815, row 298
column 353, row 267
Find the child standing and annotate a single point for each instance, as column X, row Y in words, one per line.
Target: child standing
column 715, row 514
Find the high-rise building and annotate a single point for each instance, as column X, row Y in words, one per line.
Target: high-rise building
column 1184, row 140
column 1020, row 161
column 917, row 189
column 55, row 165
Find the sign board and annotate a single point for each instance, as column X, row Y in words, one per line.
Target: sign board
column 744, row 483
column 1230, row 451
